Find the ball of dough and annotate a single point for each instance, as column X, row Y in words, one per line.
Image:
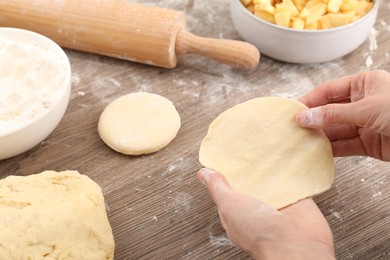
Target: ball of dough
column 262, row 152
column 139, row 123
column 53, row 215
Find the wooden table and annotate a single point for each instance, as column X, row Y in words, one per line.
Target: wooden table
column 157, row 208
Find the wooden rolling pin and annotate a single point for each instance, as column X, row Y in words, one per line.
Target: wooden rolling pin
column 121, row 29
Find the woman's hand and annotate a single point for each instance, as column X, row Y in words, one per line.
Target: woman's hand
column 299, row 231
column 354, row 112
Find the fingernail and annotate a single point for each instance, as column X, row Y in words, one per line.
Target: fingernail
column 204, row 175
column 305, row 117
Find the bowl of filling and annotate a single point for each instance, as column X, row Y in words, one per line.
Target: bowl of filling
column 304, row 31
column 35, row 84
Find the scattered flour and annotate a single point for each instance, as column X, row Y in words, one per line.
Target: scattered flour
column 107, row 207
column 377, row 195
column 372, row 37
column 336, row 215
column 176, row 170
column 104, row 87
column 75, row 79
column 219, row 241
column 369, row 61
column 182, row 202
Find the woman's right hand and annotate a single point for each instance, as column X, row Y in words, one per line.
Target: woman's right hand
column 354, row 112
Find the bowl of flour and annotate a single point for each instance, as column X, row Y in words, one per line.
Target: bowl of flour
column 35, row 84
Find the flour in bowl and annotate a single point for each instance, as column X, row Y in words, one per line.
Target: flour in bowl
column 31, row 78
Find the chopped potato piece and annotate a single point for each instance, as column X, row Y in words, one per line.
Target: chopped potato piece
column 289, row 5
column 350, row 6
column 325, row 22
column 300, row 4
column 304, row 13
column 265, row 7
column 251, row 8
column 311, row 3
column 257, row 2
column 361, row 8
column 246, row 2
column 339, row 19
column 334, row 6
column 283, row 18
column 312, row 26
column 265, row 16
column 315, row 13
column 298, row 23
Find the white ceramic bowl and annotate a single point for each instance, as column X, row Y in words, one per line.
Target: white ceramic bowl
column 28, row 133
column 300, row 46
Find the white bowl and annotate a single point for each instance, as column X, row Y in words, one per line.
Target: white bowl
column 301, row 46
column 21, row 134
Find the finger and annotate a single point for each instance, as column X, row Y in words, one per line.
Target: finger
column 341, row 132
column 373, row 143
column 334, row 91
column 332, row 115
column 216, row 183
column 329, row 92
column 348, row 147
column 226, row 198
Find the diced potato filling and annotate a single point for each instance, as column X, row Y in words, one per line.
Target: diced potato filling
column 309, row 14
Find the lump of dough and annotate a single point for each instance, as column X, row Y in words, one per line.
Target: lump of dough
column 262, row 152
column 53, row 215
column 139, row 123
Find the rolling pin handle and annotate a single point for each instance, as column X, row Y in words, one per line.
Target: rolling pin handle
column 235, row 53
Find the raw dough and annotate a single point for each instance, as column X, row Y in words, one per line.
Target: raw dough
column 139, row 123
column 263, row 153
column 53, row 215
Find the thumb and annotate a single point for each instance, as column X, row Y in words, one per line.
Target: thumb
column 331, row 115
column 216, row 183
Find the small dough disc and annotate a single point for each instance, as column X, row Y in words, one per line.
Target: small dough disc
column 139, row 123
column 53, row 215
column 262, row 152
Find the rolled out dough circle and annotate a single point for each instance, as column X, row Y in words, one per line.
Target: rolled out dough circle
column 139, row 123
column 262, row 152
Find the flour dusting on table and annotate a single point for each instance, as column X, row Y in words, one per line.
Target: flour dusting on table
column 219, row 241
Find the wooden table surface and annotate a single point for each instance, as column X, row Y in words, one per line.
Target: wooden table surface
column 156, row 206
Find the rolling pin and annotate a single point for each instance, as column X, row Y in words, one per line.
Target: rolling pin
column 121, row 29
